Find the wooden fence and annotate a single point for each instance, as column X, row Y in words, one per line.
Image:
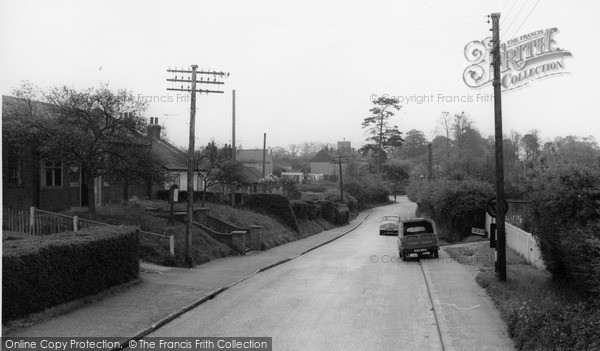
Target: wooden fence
column 38, row 222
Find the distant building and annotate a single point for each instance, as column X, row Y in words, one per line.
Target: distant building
column 253, row 158
column 322, row 163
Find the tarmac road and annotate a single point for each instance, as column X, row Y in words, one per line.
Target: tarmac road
column 352, row 294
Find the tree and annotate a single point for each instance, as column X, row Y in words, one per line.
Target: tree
column 383, row 138
column 396, row 171
column 294, row 148
column 97, row 129
column 207, row 160
column 230, row 172
column 415, row 144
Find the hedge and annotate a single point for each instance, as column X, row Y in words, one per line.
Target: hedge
column 42, row 272
column 455, row 205
column 273, row 204
column 566, row 223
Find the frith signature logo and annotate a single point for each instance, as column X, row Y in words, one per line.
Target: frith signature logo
column 524, row 59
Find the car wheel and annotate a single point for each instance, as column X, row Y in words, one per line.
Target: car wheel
column 400, row 253
column 435, row 253
column 404, row 255
column 380, row 232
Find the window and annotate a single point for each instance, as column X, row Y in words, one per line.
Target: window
column 176, row 178
column 15, row 167
column 52, row 174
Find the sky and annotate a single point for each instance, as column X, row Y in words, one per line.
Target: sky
column 304, row 71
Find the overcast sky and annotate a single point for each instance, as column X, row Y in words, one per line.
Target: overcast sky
column 304, row 70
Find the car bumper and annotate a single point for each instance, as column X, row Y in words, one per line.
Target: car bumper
column 388, row 231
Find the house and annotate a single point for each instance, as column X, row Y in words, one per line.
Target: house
column 30, row 180
column 323, row 164
column 174, row 160
column 253, row 158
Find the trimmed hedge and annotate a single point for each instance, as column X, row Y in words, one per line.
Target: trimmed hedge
column 273, row 204
column 42, row 272
column 334, row 212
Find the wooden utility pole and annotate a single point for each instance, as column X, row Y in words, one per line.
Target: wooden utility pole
column 233, row 143
column 500, row 200
column 340, row 160
column 190, row 175
column 430, row 165
column 264, row 161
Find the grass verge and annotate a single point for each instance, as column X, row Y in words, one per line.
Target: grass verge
column 541, row 313
column 205, row 248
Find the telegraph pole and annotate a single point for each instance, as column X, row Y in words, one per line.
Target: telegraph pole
column 190, row 176
column 430, row 165
column 264, row 154
column 340, row 160
column 500, row 200
column 233, row 143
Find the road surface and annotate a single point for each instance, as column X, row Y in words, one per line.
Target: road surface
column 352, row 294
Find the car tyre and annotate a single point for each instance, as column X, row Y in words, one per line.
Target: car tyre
column 404, row 255
column 380, row 232
column 435, row 253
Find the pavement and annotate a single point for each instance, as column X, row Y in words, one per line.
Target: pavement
column 164, row 293
column 466, row 316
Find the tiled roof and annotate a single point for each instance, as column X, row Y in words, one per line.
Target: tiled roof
column 322, row 156
column 252, row 155
column 173, row 159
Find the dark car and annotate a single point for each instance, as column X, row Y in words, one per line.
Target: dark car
column 417, row 235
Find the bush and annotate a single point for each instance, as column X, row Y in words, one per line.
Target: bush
column 366, row 192
column 553, row 326
column 455, row 205
column 300, row 209
column 273, row 204
column 566, row 222
column 42, row 272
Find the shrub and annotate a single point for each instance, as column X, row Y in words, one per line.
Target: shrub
column 273, row 204
column 553, row 326
column 300, row 209
column 455, row 205
column 41, row 272
column 565, row 220
column 366, row 191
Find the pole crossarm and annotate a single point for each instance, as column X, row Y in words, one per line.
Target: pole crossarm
column 189, row 81
column 214, row 73
column 197, row 90
column 190, row 174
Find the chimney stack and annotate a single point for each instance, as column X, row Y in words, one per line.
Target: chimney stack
column 154, row 129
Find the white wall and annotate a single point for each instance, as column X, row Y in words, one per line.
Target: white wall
column 522, row 242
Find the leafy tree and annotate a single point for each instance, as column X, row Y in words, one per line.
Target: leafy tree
column 383, row 137
column 229, row 173
column 415, row 144
column 96, row 128
column 269, row 183
column 207, row 161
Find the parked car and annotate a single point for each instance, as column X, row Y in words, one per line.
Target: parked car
column 417, row 235
column 389, row 224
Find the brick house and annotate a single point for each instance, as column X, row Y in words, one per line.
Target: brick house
column 28, row 180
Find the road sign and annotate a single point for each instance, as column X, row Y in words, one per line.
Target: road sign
column 478, row 231
column 492, row 207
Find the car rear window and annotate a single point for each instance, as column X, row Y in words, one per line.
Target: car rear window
column 417, row 228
